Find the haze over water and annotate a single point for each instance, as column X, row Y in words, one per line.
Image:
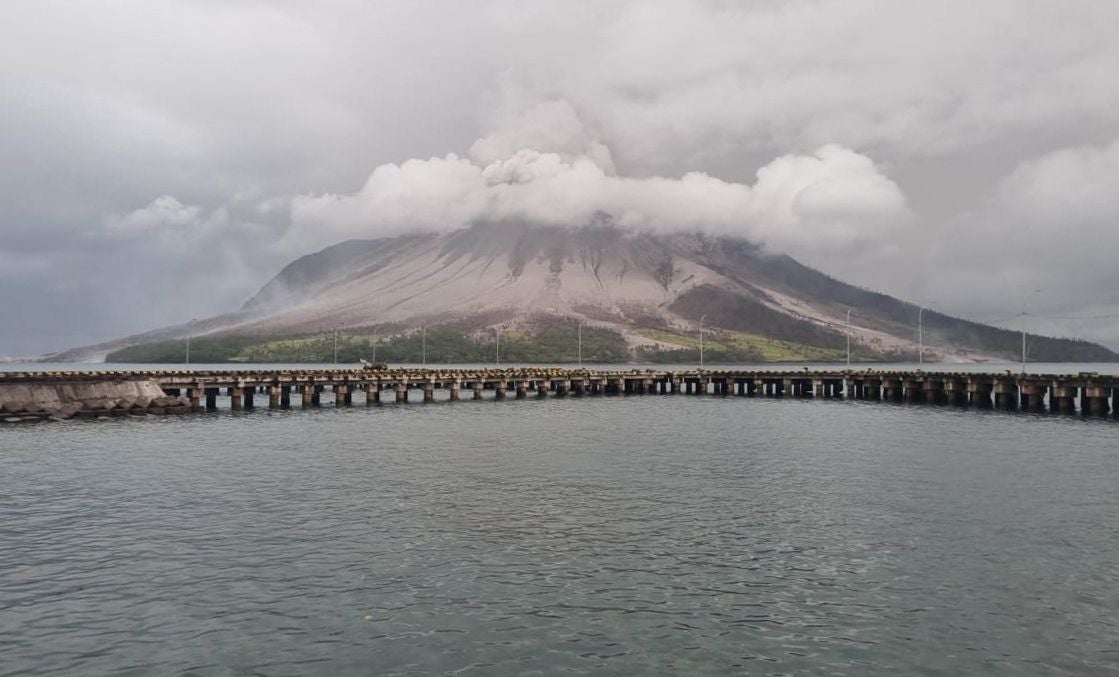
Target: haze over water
column 605, row 535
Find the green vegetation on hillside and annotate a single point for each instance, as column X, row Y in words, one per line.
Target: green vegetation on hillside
column 733, row 346
column 202, row 350
column 549, row 340
column 545, row 340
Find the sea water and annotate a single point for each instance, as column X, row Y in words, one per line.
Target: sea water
column 616, row 535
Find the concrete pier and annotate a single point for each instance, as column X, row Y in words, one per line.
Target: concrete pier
column 1089, row 394
column 195, row 397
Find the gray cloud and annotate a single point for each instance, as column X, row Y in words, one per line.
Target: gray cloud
column 159, row 160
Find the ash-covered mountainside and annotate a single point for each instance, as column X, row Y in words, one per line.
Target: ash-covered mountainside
column 507, row 273
column 652, row 291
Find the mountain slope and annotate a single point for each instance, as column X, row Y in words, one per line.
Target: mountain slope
column 648, row 288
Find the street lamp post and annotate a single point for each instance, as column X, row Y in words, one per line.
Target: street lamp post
column 921, row 336
column 848, row 338
column 336, row 343
column 579, row 340
column 423, row 346
column 190, row 327
column 497, row 346
column 1024, row 300
column 701, row 319
column 374, row 347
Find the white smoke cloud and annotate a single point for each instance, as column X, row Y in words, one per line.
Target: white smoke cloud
column 550, row 126
column 833, row 200
column 167, row 213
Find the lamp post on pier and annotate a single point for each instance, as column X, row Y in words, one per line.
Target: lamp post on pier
column 701, row 319
column 579, row 340
column 1024, row 301
column 190, row 329
column 337, row 328
column 848, row 338
column 921, row 336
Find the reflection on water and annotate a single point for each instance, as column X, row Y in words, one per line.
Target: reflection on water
column 622, row 535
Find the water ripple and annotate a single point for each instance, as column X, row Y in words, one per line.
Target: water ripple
column 598, row 536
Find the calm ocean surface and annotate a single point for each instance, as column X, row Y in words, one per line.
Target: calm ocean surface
column 643, row 535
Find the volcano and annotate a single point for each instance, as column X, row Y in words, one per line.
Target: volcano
column 653, row 291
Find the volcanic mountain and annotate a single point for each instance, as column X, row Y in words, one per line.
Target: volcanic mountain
column 651, row 291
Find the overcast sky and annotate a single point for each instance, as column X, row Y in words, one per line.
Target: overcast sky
column 161, row 160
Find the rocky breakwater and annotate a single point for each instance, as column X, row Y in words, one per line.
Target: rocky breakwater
column 28, row 403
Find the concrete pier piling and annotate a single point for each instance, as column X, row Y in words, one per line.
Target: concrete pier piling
column 953, row 392
column 979, row 393
column 1006, row 393
column 1032, row 396
column 1097, row 399
column 1063, row 398
column 932, row 390
column 195, row 397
